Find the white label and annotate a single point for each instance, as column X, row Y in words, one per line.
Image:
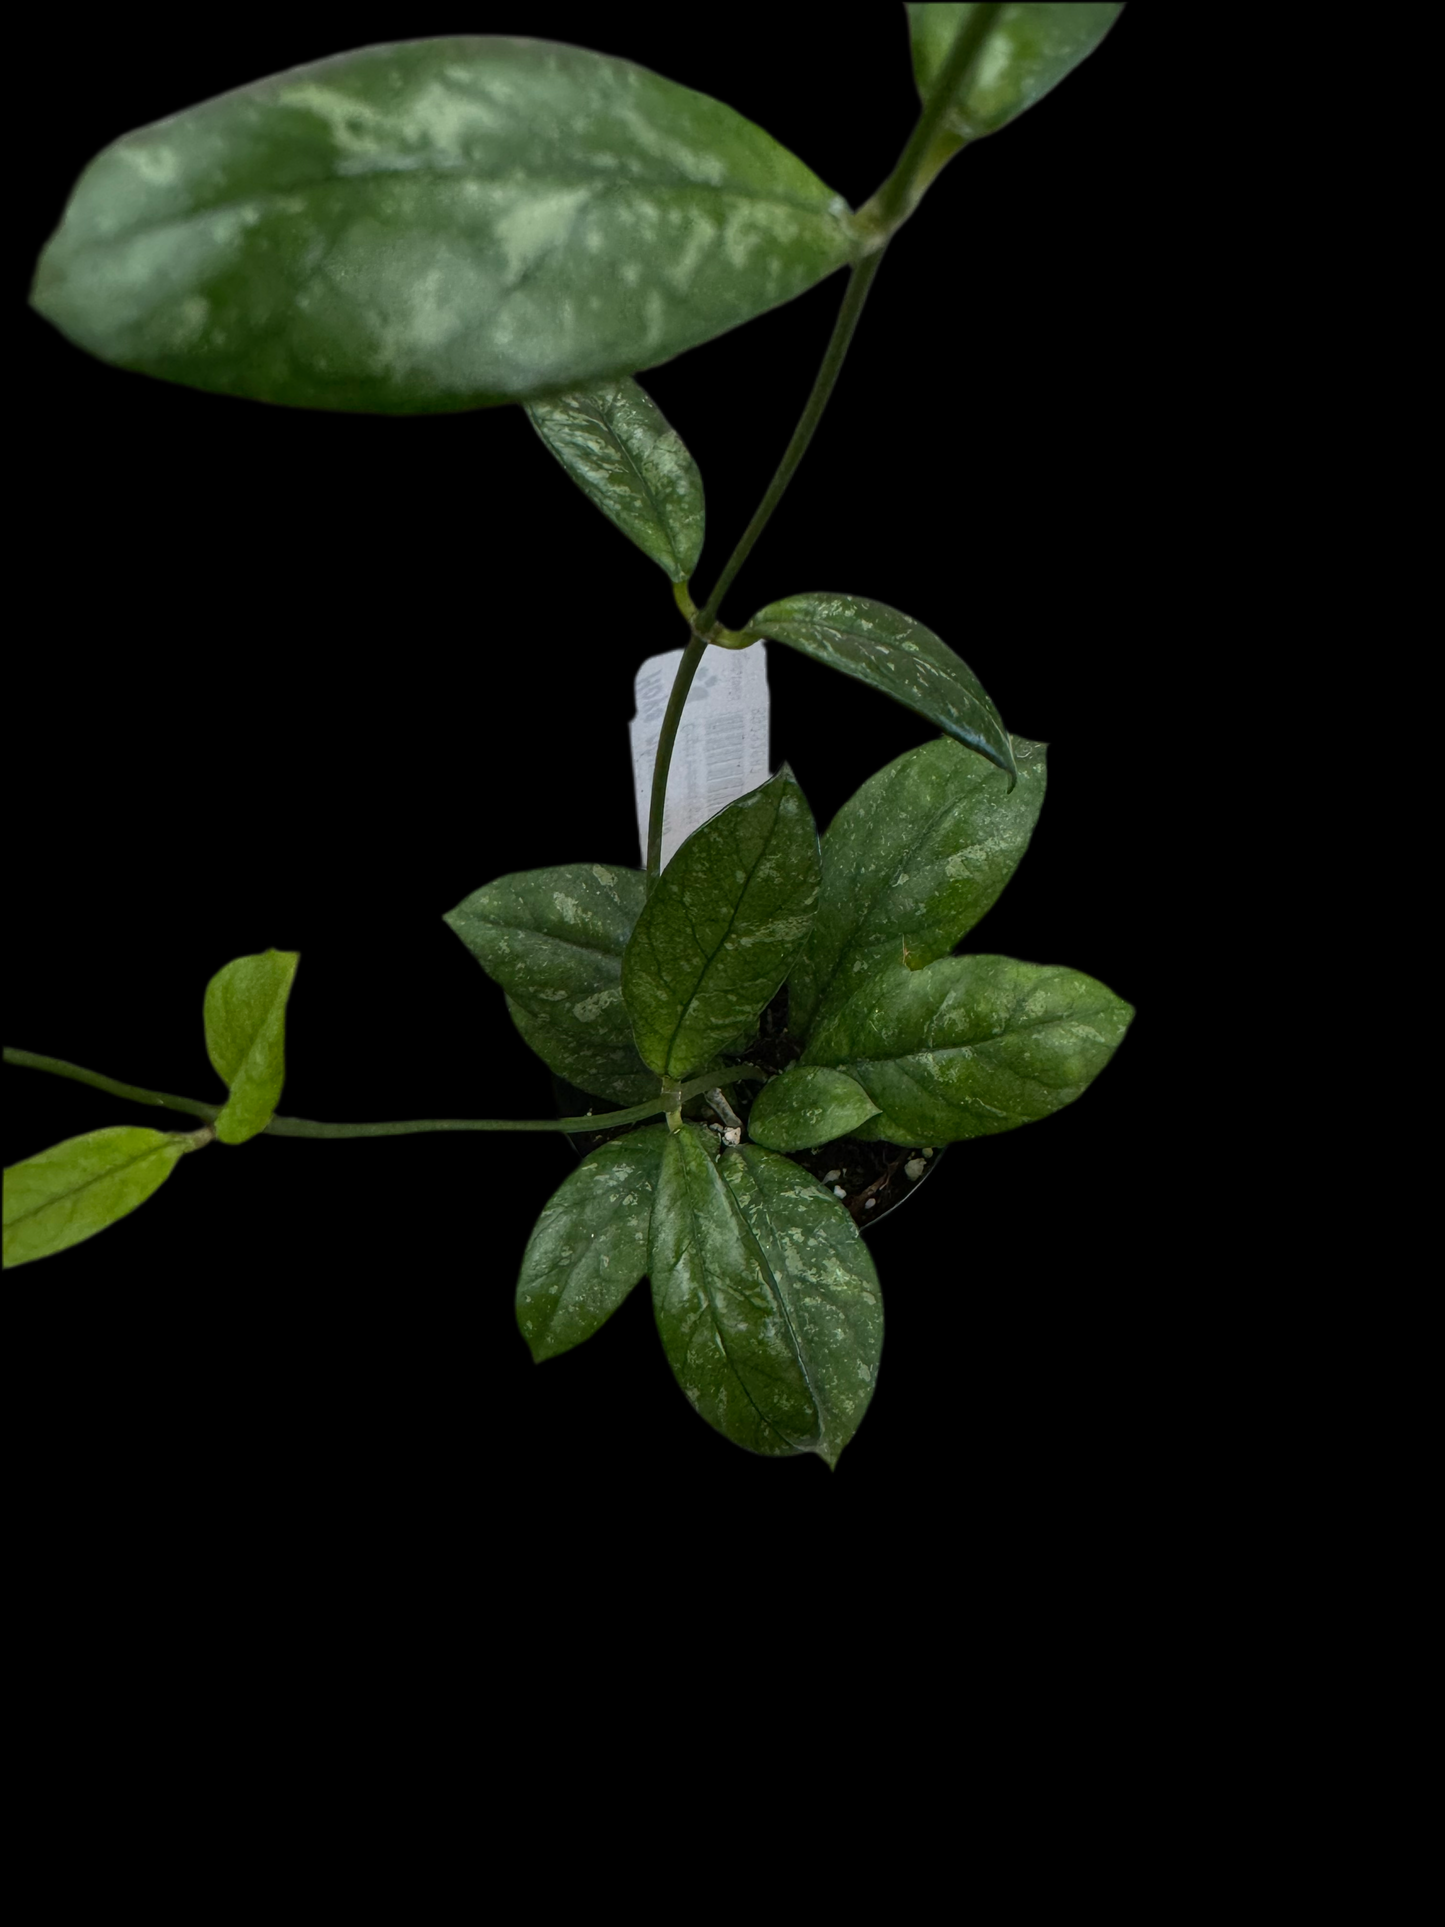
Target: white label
column 721, row 750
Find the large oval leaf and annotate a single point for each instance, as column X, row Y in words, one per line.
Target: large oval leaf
column 1029, row 50
column 433, row 225
column 971, row 1045
column 890, row 651
column 910, row 863
column 245, row 1018
column 78, row 1187
column 721, row 929
column 554, row 940
column 721, row 1321
column 589, row 1247
column 622, row 452
column 823, row 1276
column 766, row 1298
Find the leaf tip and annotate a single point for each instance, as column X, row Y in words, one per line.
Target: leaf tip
column 539, row 1348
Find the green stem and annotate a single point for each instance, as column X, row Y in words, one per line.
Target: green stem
column 860, row 280
column 892, row 202
column 667, row 736
column 890, row 205
column 925, row 153
column 886, row 210
column 308, row 1127
column 30, row 1061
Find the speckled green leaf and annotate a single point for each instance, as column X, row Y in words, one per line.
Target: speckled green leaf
column 824, row 1279
column 891, row 652
column 1028, row 51
column 888, row 1129
column 971, row 1045
column 808, row 1105
column 432, row 225
column 910, row 863
column 610, row 1070
column 589, row 1247
column 765, row 1296
column 68, row 1193
column 617, row 445
column 245, row 1018
column 723, row 1324
column 722, row 927
column 554, row 940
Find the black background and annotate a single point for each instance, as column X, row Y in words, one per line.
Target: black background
column 306, row 680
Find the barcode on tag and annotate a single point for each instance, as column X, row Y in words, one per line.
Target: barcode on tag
column 722, row 744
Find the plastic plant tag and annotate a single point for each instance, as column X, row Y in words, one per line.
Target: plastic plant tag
column 722, row 743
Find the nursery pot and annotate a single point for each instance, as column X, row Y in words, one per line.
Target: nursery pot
column 858, row 1168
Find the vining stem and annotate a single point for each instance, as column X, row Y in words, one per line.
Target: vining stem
column 860, row 280
column 133, row 1092
column 308, row 1127
column 667, row 736
column 928, row 147
column 885, row 212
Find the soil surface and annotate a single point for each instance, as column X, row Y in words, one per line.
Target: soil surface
column 869, row 1174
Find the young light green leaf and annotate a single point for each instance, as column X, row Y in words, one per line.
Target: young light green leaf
column 910, row 863
column 808, row 1105
column 890, row 651
column 553, row 939
column 971, row 1045
column 432, row 225
column 616, row 444
column 245, row 1015
column 823, row 1276
column 722, row 927
column 1028, row 51
column 589, row 1247
column 66, row 1194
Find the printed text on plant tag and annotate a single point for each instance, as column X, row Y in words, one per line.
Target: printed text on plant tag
column 722, row 743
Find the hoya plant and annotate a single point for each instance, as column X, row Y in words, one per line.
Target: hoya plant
column 767, row 1038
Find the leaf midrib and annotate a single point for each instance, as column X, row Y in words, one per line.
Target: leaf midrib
column 771, row 1272
column 950, row 1050
column 89, row 1184
column 717, row 951
column 601, row 183
column 660, row 521
column 563, row 943
column 700, row 1245
column 883, row 886
column 861, row 639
